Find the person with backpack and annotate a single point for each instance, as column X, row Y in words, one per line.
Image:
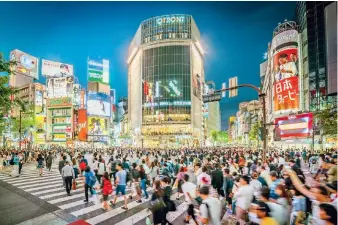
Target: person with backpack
column 40, row 166
column 107, row 189
column 83, row 164
column 101, row 169
column 90, row 180
column 210, row 209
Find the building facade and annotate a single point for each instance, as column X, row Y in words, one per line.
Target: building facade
column 165, row 82
column 211, row 113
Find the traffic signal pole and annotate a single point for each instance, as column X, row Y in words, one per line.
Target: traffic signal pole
column 262, row 96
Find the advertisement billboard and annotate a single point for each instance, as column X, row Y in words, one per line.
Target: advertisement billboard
column 294, row 126
column 25, row 64
column 113, row 96
column 285, row 70
column 56, row 69
column 98, row 104
column 57, row 102
column 97, row 126
column 83, row 99
column 40, row 122
column 98, row 70
column 196, row 86
column 82, row 125
column 38, row 101
column 60, row 87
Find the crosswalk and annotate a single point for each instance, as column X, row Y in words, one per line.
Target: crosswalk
column 49, row 188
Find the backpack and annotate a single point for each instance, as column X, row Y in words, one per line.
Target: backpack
column 107, row 187
column 92, row 180
column 83, row 165
column 313, row 160
column 113, row 167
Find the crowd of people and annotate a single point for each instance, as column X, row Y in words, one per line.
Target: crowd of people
column 218, row 184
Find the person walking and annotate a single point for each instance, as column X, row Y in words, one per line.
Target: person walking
column 90, row 180
column 120, row 182
column 143, row 183
column 61, row 165
column 49, row 161
column 101, row 169
column 107, row 189
column 68, row 175
column 40, row 161
column 15, row 171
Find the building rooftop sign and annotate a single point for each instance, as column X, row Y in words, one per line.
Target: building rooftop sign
column 170, row 19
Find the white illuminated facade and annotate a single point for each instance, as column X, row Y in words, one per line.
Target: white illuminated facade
column 165, row 83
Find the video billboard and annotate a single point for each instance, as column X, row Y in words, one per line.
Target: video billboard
column 97, row 126
column 294, row 126
column 38, row 101
column 60, row 87
column 82, row 125
column 98, row 104
column 98, row 70
column 25, row 64
column 285, row 70
column 56, row 69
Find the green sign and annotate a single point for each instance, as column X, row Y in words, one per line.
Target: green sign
column 98, row 71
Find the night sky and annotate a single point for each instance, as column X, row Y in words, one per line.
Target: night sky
column 235, row 36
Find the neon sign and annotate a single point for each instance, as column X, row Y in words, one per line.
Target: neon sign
column 175, row 103
column 168, row 19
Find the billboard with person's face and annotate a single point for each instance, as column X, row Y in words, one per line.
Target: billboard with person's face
column 285, row 71
column 56, row 69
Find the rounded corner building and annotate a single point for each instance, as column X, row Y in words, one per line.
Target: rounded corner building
column 165, row 83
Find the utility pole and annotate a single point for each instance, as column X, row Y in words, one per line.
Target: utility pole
column 20, row 131
column 261, row 95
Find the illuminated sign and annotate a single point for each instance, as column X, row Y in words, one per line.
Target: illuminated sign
column 295, row 126
column 59, row 102
column 175, row 103
column 170, row 19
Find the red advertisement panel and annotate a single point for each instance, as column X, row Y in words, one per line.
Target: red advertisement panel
column 286, row 94
column 82, row 125
column 294, row 126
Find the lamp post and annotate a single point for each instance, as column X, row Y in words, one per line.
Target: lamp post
column 20, row 135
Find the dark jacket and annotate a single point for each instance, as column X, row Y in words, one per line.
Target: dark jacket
column 217, row 179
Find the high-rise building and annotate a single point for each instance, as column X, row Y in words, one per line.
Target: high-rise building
column 310, row 17
column 165, row 82
column 212, row 113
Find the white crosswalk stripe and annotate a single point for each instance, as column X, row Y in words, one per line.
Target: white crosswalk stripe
column 49, row 188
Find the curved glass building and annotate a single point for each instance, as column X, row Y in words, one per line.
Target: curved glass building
column 165, row 83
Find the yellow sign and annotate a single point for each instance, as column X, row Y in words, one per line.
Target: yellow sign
column 97, row 126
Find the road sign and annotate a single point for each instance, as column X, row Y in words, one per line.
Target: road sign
column 224, row 86
column 212, row 98
column 233, row 83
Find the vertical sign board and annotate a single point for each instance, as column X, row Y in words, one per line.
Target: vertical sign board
column 98, row 70
column 285, row 70
column 82, row 125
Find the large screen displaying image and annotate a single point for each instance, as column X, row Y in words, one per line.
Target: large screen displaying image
column 98, row 104
column 97, row 126
column 60, row 87
column 294, row 126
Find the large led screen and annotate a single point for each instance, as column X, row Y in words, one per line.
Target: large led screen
column 294, row 126
column 98, row 104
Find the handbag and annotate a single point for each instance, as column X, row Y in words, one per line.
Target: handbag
column 74, row 185
column 156, row 205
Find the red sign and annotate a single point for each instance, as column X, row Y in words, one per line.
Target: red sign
column 294, row 126
column 286, row 94
column 82, row 125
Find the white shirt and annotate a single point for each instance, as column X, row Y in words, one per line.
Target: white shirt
column 281, row 161
column 256, row 186
column 244, row 196
column 188, row 187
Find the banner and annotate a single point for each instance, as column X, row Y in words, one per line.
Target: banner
column 56, row 102
column 97, row 126
column 294, row 126
column 82, row 125
column 60, row 87
column 25, row 64
column 286, row 94
column 98, row 104
column 56, row 69
column 98, row 70
column 83, row 99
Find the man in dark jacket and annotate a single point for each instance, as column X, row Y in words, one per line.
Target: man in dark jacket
column 61, row 165
column 49, row 161
column 217, row 179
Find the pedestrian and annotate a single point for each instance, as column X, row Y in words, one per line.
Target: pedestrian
column 189, row 190
column 107, row 189
column 49, row 161
column 68, row 175
column 40, row 166
column 262, row 210
column 210, row 209
column 120, row 182
column 101, row 169
column 244, row 196
column 15, row 170
column 90, row 180
column 143, row 183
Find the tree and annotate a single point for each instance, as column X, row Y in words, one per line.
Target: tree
column 214, row 135
column 327, row 121
column 223, row 136
column 253, row 134
column 6, row 92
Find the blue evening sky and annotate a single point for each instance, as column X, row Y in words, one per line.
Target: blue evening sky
column 236, row 35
